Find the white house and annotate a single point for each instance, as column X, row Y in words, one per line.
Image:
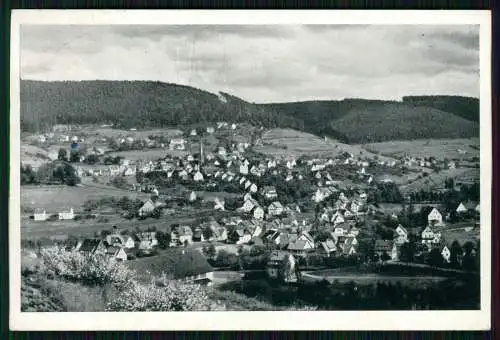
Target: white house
column 461, row 208
column 247, row 184
column 253, row 188
column 339, row 231
column 210, row 129
column 275, row 209
column 248, row 205
column 147, row 208
column 67, row 214
column 219, row 205
column 337, row 218
column 244, row 169
column 401, row 235
column 446, row 253
column 258, row 213
column 192, row 196
column 177, row 144
column 40, row 215
column 198, row 177
column 435, row 217
column 193, row 132
column 427, row 235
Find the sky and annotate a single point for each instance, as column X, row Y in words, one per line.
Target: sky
column 264, row 63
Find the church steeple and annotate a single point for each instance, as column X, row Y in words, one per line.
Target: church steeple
column 202, row 155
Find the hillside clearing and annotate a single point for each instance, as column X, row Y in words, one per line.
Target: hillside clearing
column 436, row 180
column 438, row 148
column 292, row 143
column 55, row 197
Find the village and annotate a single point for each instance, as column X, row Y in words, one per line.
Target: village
column 307, row 211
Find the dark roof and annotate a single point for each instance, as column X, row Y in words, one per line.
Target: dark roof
column 383, row 245
column 89, row 245
column 112, row 250
column 173, row 263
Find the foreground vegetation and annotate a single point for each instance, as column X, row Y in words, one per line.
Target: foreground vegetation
column 69, row 281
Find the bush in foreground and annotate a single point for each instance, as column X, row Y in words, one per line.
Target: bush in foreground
column 89, row 269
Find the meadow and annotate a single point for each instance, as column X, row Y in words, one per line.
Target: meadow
column 436, row 179
column 147, row 154
column 55, row 197
column 464, row 148
column 293, row 143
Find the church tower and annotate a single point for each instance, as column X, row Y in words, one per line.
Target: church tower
column 202, row 155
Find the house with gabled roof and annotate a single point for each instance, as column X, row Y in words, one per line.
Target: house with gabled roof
column 300, row 247
column 461, row 208
column 179, row 264
column 386, row 247
column 435, row 217
column 117, row 253
column 258, row 213
column 40, row 215
column 145, row 240
column 328, row 247
column 337, row 218
column 276, row 262
column 427, row 235
column 242, row 235
column 275, row 209
column 269, row 192
column 91, row 246
column 248, row 205
column 66, row 214
column 401, row 235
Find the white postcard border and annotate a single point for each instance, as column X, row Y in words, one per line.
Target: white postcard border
column 323, row 320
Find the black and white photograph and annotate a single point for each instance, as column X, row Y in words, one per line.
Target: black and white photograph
column 250, row 162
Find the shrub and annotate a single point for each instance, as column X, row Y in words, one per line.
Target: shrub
column 169, row 296
column 90, row 269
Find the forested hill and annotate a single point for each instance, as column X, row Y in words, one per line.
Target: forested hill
column 143, row 104
column 362, row 120
column 465, row 107
column 137, row 104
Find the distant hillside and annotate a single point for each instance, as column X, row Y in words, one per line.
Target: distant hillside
column 465, row 107
column 134, row 104
column 362, row 120
column 147, row 104
column 392, row 121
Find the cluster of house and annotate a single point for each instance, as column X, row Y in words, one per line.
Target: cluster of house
column 118, row 246
column 428, row 162
column 430, row 237
column 64, row 214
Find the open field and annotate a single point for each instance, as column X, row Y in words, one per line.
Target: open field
column 91, row 131
column 55, row 197
column 438, row 148
column 148, row 154
column 293, row 143
column 436, row 179
column 460, row 235
column 86, row 228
